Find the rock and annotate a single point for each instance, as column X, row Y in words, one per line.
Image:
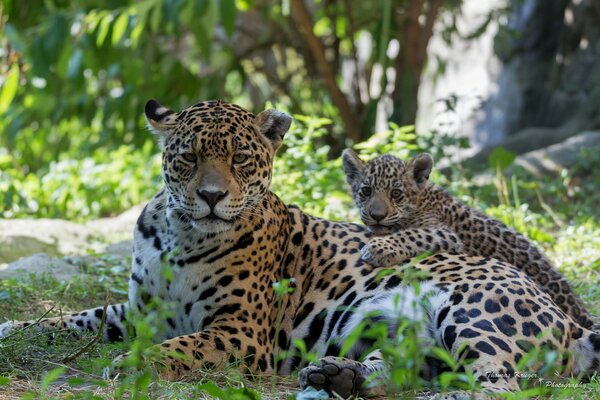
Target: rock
column 549, row 50
column 24, row 237
column 549, row 160
column 553, row 159
column 38, row 264
column 119, row 227
column 120, row 249
column 528, row 139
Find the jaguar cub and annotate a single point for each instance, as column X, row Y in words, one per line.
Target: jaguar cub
column 409, row 215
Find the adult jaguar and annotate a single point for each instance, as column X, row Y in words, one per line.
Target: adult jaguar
column 226, row 239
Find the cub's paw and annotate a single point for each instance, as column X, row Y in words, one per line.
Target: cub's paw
column 343, row 376
column 379, row 252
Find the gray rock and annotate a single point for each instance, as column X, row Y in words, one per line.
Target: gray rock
column 527, row 140
column 549, row 160
column 120, row 249
column 119, row 227
column 38, row 264
column 24, row 237
column 553, row 159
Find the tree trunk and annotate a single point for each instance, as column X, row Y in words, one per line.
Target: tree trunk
column 349, row 117
column 411, row 57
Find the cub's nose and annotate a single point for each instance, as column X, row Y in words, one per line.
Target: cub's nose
column 378, row 215
column 378, row 211
column 211, row 198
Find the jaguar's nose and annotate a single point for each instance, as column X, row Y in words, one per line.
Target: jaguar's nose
column 378, row 215
column 211, row 198
column 378, row 211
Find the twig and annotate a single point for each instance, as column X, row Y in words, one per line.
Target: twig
column 92, row 342
column 34, row 336
column 547, row 208
column 58, row 364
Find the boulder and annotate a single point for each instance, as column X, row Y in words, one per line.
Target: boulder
column 24, row 237
column 39, row 264
column 119, row 227
column 553, row 159
column 528, row 139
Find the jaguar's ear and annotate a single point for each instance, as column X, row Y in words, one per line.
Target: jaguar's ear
column 353, row 166
column 273, row 125
column 161, row 120
column 420, row 168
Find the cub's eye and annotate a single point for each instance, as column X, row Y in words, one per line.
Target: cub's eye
column 240, row 158
column 396, row 193
column 366, row 191
column 189, row 157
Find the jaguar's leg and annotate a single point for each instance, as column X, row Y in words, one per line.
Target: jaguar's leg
column 213, row 348
column 113, row 322
column 384, row 251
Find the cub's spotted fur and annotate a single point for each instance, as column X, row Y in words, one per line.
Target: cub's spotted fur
column 226, row 239
column 397, row 200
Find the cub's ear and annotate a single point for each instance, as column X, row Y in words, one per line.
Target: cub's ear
column 353, row 166
column 160, row 119
column 273, row 125
column 420, row 167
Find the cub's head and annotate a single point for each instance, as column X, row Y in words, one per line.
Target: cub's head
column 217, row 160
column 386, row 190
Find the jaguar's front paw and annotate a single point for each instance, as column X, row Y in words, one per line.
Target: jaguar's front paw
column 334, row 375
column 378, row 252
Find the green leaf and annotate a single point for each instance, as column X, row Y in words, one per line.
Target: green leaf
column 228, row 12
column 9, row 89
column 103, row 28
column 5, row 381
column 244, row 5
column 352, row 338
column 156, row 18
column 212, row 389
column 119, row 28
column 501, row 159
column 51, row 376
column 444, row 356
column 76, row 381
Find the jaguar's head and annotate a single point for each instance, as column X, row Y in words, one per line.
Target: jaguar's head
column 217, row 160
column 386, row 190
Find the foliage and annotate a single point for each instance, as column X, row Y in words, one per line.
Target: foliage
column 78, row 189
column 74, row 75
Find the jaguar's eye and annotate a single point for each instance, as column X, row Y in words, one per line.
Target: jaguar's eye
column 366, row 191
column 396, row 193
column 240, row 158
column 189, row 157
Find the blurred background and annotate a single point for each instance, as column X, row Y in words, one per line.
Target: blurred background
column 455, row 78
